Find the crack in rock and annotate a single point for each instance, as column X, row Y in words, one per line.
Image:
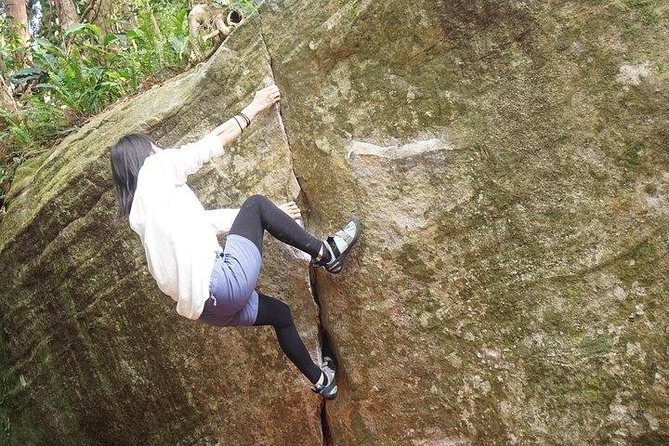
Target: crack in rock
column 326, row 350
column 323, row 340
column 325, row 426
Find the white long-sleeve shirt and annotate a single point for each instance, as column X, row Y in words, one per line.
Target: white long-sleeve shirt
column 178, row 234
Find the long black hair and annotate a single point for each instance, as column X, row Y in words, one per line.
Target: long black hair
column 127, row 157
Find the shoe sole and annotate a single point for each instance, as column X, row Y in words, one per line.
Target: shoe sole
column 342, row 257
column 330, row 394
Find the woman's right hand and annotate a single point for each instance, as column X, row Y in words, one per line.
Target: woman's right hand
column 264, row 99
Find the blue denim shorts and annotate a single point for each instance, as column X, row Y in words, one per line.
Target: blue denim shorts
column 232, row 296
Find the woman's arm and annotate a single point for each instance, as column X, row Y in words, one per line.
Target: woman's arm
column 232, row 128
column 190, row 157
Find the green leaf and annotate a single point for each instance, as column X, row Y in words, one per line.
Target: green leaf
column 135, row 33
column 115, row 75
column 178, row 44
column 27, row 73
column 96, row 29
column 181, row 15
column 72, row 29
column 110, row 38
column 42, row 42
column 48, row 86
column 78, row 27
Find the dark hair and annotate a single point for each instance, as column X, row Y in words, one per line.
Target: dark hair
column 127, row 157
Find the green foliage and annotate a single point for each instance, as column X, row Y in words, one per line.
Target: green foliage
column 77, row 72
column 246, row 6
column 27, row 134
column 86, row 70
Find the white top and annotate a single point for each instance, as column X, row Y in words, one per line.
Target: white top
column 178, row 235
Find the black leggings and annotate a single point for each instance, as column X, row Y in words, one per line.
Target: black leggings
column 257, row 214
column 277, row 314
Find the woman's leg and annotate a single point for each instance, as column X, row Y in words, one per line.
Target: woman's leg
column 276, row 313
column 259, row 213
column 233, row 300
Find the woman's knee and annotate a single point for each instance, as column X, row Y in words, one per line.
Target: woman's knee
column 273, row 311
column 283, row 314
column 255, row 200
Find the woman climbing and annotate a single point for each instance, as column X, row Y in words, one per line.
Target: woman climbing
column 211, row 284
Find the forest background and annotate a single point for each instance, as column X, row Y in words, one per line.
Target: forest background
column 63, row 61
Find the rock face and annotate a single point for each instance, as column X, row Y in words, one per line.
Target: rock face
column 102, row 354
column 510, row 162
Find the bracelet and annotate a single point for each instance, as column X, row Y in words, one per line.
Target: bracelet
column 245, row 121
column 237, row 121
column 248, row 121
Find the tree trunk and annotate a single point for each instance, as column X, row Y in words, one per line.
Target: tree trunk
column 17, row 11
column 67, row 12
column 96, row 11
column 7, row 102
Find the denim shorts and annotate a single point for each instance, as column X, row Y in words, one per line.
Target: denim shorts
column 232, row 296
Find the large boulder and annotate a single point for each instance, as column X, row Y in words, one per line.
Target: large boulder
column 102, row 354
column 510, row 163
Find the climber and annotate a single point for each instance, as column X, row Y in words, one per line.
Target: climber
column 211, row 284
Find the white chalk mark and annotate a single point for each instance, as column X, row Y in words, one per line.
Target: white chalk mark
column 632, row 74
column 396, row 152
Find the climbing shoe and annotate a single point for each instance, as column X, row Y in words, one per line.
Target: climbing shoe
column 339, row 246
column 327, row 390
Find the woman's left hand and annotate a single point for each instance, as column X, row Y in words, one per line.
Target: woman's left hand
column 292, row 210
